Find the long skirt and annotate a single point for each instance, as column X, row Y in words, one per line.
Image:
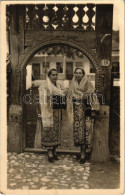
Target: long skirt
column 51, row 136
column 83, row 125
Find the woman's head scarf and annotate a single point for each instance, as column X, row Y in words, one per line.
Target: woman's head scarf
column 80, row 92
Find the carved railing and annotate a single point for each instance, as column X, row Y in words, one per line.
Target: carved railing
column 61, row 17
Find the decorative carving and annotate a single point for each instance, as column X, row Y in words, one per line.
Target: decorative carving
column 15, row 128
column 15, row 115
column 61, row 17
column 47, row 43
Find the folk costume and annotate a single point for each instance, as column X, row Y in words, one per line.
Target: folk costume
column 81, row 100
column 50, row 114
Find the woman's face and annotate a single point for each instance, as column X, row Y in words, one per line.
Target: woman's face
column 79, row 75
column 53, row 76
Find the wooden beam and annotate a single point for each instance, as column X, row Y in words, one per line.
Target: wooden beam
column 41, row 150
column 82, row 38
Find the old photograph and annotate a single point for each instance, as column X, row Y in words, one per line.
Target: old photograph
column 62, row 102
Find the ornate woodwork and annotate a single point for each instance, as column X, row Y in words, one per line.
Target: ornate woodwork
column 84, row 27
column 104, row 15
column 61, row 17
column 37, row 47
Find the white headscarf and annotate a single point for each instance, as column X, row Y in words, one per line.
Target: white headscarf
column 79, row 92
column 46, row 91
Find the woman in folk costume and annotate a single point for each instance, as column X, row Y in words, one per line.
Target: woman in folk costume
column 50, row 114
column 81, row 102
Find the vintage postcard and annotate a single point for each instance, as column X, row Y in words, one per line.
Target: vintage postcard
column 62, row 97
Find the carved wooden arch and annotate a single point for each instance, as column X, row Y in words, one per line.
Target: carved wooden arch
column 39, row 46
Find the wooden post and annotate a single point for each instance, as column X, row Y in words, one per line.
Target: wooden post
column 104, row 15
column 14, row 52
column 100, row 151
column 15, row 131
column 16, row 45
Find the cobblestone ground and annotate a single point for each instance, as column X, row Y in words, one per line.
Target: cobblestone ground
column 33, row 171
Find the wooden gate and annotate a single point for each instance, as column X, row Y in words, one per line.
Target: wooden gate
column 35, row 27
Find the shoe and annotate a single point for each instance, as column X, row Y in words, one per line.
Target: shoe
column 78, row 156
column 56, row 157
column 51, row 159
column 82, row 160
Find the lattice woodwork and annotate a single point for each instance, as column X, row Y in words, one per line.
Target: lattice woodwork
column 61, row 17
